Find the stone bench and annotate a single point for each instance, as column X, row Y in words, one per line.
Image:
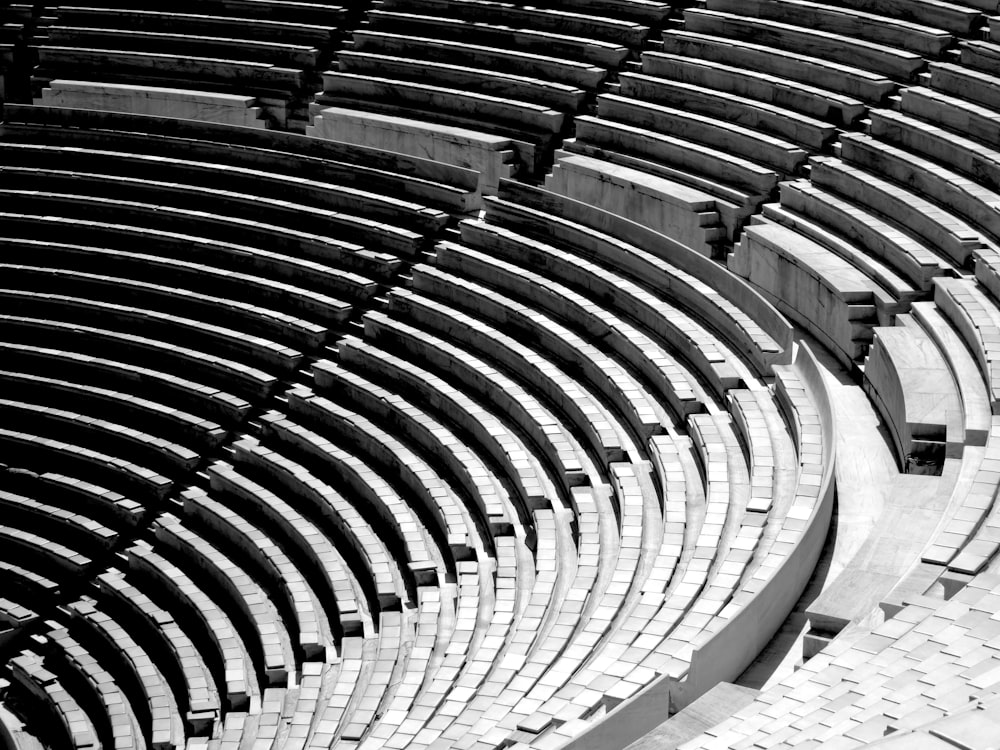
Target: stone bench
column 281, row 577
column 351, row 532
column 676, row 385
column 43, row 553
column 876, row 245
column 974, row 314
column 376, row 498
column 493, row 156
column 128, row 319
column 548, row 433
column 390, row 654
column 286, row 54
column 387, row 452
column 270, row 645
column 545, row 66
column 72, row 724
column 297, row 11
column 36, row 453
column 571, row 22
column 631, row 250
column 565, row 393
column 106, row 506
column 882, row 29
column 325, row 566
column 730, row 138
column 909, row 381
column 212, row 629
column 965, row 83
column 847, row 50
column 468, row 467
column 819, row 72
column 968, row 118
column 601, row 373
column 184, row 666
column 944, row 233
column 156, row 385
column 953, row 17
column 592, row 51
column 78, row 531
column 505, row 86
column 154, row 100
column 492, row 436
column 777, row 91
column 118, row 719
column 170, row 422
column 200, row 23
column 982, row 56
column 254, row 319
column 812, row 285
column 803, row 130
column 681, row 213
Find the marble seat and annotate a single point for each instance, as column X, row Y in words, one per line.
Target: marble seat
column 848, row 50
column 803, row 67
column 78, row 530
column 43, row 553
column 74, row 726
column 103, row 505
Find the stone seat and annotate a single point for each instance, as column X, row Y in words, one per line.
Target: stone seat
column 777, row 91
column 171, row 423
column 548, row 433
column 235, row 204
column 523, row 471
column 234, row 109
column 566, row 394
column 875, row 27
column 909, row 381
column 731, row 309
column 489, row 496
column 254, row 319
column 299, row 12
column 675, row 385
column 513, row 88
column 954, row 17
column 601, row 373
column 36, row 453
column 391, row 649
column 89, row 371
column 965, row 83
column 737, row 184
column 572, row 21
column 541, row 66
column 71, row 723
column 184, row 667
column 875, row 245
column 982, row 56
column 285, row 54
column 129, row 320
column 198, row 23
column 152, row 697
column 352, row 534
column 322, row 562
column 348, row 89
column 972, row 537
column 279, row 575
column 974, row 313
column 390, row 455
column 801, row 129
column 351, row 664
column 814, row 287
column 847, row 50
column 234, row 178
column 117, row 726
column 273, row 153
column 244, row 599
column 78, row 530
column 211, row 629
column 43, row 553
column 25, row 583
column 942, row 231
column 106, row 506
column 374, row 498
column 251, row 77
column 819, row 72
column 580, row 49
column 970, row 119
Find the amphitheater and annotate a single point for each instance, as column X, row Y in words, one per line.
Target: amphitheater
column 473, row 375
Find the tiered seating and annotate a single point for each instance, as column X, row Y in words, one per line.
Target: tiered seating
column 244, row 64
column 484, row 84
